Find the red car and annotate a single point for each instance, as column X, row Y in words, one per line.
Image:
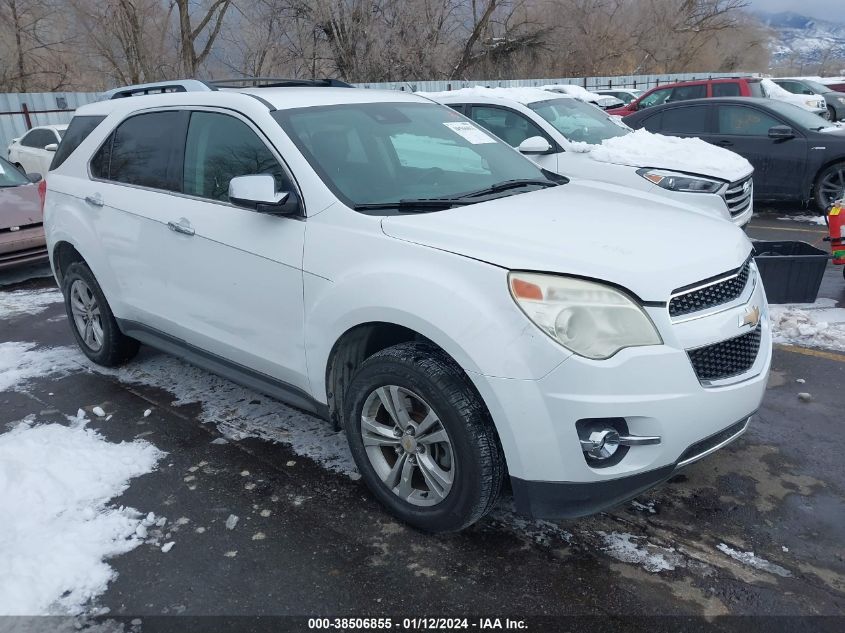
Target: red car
column 681, row 91
column 21, row 224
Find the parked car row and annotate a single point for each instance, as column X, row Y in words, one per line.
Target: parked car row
column 397, row 267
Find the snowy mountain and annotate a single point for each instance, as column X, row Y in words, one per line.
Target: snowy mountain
column 799, row 38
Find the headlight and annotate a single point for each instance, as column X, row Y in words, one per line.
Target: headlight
column 841, row 100
column 813, row 103
column 675, row 181
column 588, row 318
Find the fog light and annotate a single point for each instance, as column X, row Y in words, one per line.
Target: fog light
column 605, row 441
column 601, row 444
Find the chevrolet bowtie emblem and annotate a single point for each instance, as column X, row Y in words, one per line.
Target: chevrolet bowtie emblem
column 751, row 317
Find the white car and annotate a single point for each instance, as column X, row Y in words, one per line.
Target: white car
column 33, row 152
column 603, row 101
column 625, row 95
column 813, row 103
column 565, row 136
column 380, row 261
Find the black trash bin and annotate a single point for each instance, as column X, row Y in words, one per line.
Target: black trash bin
column 791, row 271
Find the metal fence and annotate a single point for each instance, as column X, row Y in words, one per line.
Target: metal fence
column 22, row 111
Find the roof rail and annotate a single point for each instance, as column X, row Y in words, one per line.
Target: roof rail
column 159, row 87
column 277, row 82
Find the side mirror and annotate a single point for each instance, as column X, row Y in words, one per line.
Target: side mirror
column 52, row 147
column 534, row 145
column 34, row 177
column 781, row 132
column 259, row 193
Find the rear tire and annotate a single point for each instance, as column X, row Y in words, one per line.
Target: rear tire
column 422, row 438
column 829, row 187
column 92, row 321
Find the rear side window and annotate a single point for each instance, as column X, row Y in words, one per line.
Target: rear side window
column 78, row 130
column 39, row 139
column 221, row 147
column 728, row 89
column 145, row 150
column 683, row 93
column 688, row 120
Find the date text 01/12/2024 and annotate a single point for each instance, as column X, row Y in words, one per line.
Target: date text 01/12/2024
column 415, row 624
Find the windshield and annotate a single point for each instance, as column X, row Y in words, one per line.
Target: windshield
column 10, row 176
column 578, row 121
column 798, row 116
column 815, row 86
column 379, row 153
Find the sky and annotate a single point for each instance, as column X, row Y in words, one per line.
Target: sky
column 824, row 9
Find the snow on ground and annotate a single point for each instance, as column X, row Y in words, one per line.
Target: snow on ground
column 57, row 527
column 18, row 302
column 812, row 219
column 643, row 148
column 819, row 324
column 637, row 550
column 20, row 362
column 748, row 558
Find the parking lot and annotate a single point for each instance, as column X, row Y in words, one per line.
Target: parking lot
column 757, row 528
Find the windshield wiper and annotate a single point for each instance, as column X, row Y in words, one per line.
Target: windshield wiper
column 510, row 184
column 414, row 205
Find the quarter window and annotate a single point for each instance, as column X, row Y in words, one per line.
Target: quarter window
column 78, row 130
column 744, row 121
column 221, row 147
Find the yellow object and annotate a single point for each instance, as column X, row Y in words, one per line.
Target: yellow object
column 835, row 211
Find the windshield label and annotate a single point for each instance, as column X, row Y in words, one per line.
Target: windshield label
column 470, row 133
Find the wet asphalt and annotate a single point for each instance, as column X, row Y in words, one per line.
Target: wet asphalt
column 314, row 542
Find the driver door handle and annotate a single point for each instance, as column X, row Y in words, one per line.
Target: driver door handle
column 182, row 226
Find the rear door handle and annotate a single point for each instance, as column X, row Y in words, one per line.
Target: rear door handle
column 95, row 200
column 182, row 226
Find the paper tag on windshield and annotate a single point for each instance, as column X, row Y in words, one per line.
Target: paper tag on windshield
column 470, row 132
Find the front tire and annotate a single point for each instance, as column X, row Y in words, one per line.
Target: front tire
column 92, row 321
column 831, row 113
column 422, row 439
column 829, row 187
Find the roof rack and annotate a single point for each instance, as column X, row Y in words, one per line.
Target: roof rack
column 277, row 82
column 160, row 87
column 197, row 85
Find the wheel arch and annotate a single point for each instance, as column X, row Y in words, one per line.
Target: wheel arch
column 824, row 166
column 64, row 254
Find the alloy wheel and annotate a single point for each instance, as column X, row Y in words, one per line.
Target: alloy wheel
column 832, row 188
column 86, row 315
column 407, row 445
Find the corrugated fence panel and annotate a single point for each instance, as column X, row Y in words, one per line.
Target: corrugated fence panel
column 14, row 125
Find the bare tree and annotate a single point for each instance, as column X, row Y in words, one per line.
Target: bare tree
column 196, row 42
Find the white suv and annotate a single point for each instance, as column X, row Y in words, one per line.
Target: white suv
column 379, row 260
column 566, row 136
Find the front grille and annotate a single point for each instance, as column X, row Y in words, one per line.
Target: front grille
column 728, row 358
column 738, row 196
column 715, row 294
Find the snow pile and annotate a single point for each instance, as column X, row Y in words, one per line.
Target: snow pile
column 20, row 362
column 818, row 324
column 748, row 558
column 55, row 482
column 642, row 148
column 574, row 90
column 653, row 558
column 18, row 302
column 774, row 91
column 520, row 95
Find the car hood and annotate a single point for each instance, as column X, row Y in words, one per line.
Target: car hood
column 19, row 206
column 586, row 229
column 642, row 148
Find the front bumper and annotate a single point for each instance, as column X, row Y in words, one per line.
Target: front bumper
column 27, row 246
column 654, row 389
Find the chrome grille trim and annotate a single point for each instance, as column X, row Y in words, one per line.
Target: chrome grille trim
column 737, row 198
column 722, row 290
